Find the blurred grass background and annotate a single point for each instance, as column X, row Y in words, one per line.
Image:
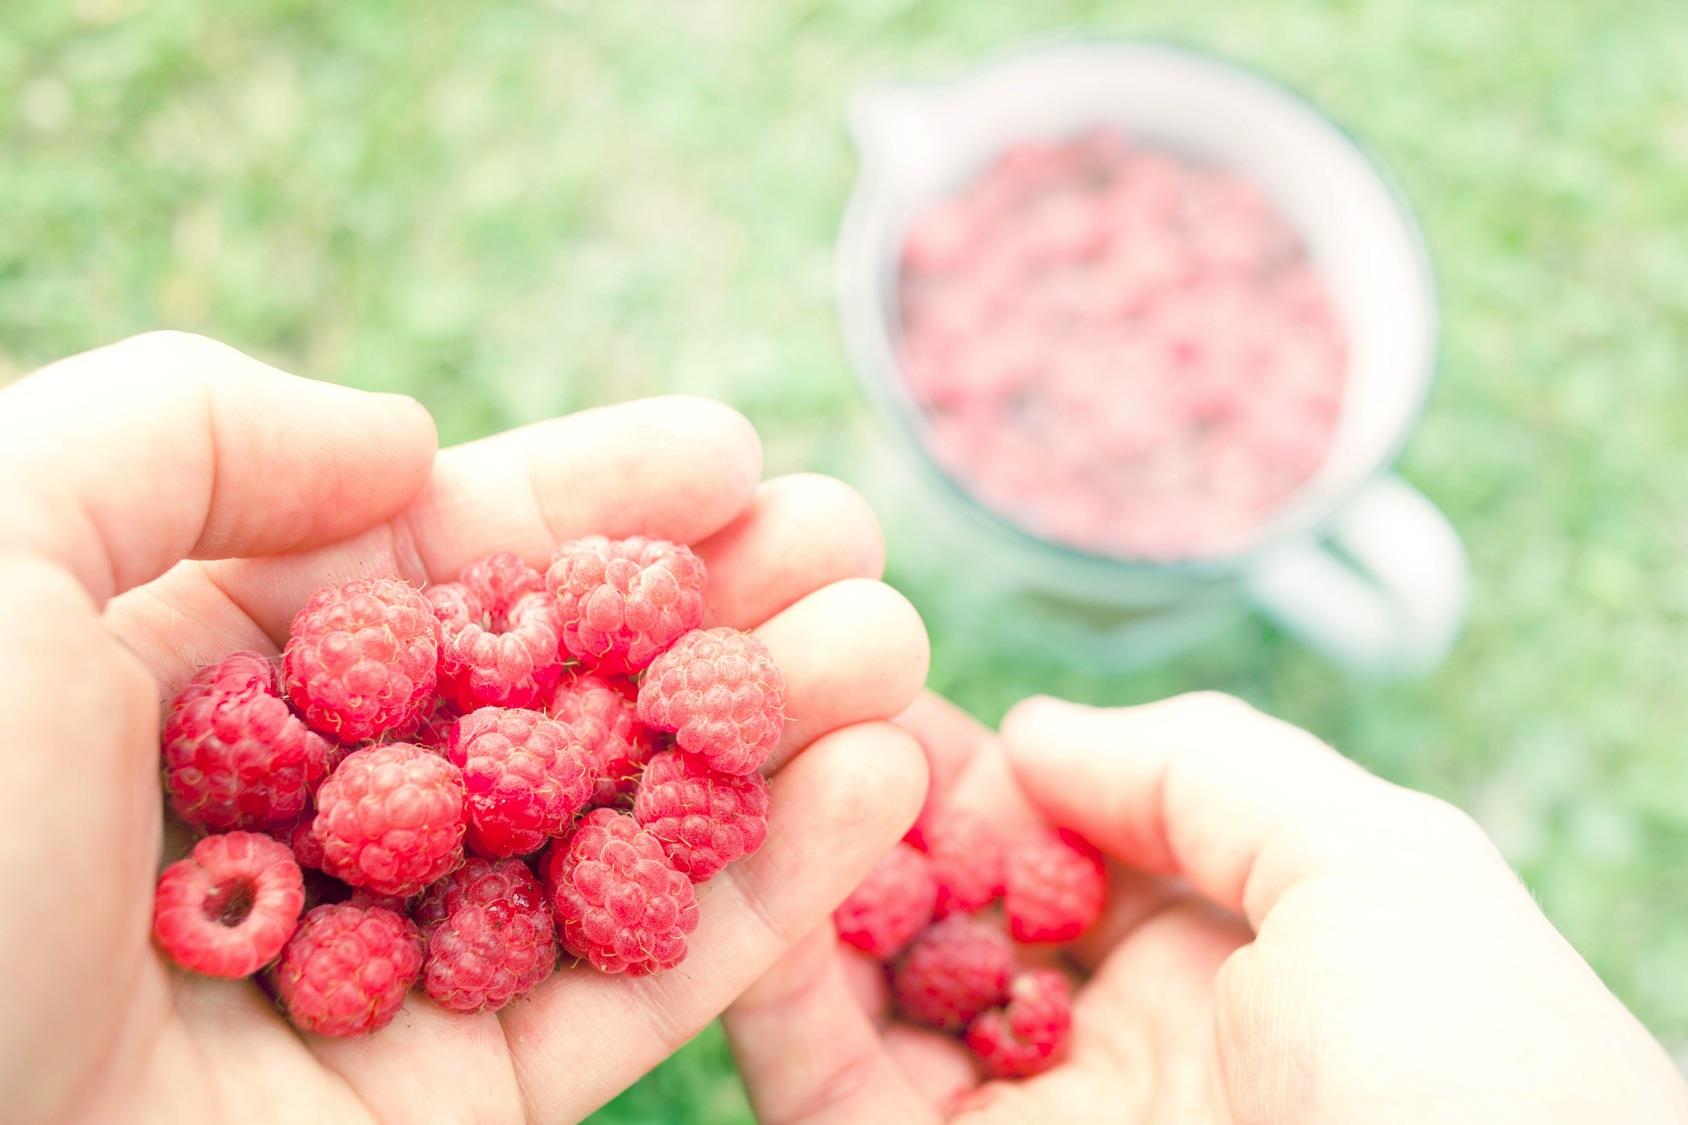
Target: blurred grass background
column 516, row 210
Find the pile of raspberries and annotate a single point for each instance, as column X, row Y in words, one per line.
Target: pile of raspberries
column 928, row 912
column 475, row 776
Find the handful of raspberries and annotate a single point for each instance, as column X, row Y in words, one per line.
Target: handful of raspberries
column 466, row 781
column 927, row 912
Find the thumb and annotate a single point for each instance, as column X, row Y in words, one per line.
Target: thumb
column 1243, row 805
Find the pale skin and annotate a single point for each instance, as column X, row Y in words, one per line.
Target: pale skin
column 118, row 465
column 1289, row 940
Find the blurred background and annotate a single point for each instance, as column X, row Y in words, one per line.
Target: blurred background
column 512, row 211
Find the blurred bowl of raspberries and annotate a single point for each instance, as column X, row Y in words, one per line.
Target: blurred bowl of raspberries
column 1153, row 326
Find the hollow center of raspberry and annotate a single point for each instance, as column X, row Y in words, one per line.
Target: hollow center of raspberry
column 495, row 623
column 230, row 903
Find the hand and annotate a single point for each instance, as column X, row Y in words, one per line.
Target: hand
column 1288, row 940
column 117, row 465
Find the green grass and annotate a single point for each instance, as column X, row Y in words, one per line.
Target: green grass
column 521, row 211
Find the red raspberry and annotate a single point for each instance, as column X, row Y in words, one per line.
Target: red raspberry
column 618, row 901
column 362, row 659
column 489, row 935
column 1054, row 888
column 234, row 755
column 526, row 776
column 967, row 860
column 347, row 969
column 1028, row 1036
column 434, row 731
column 719, row 691
column 500, row 632
column 705, row 819
column 300, row 835
column 604, row 716
column 625, row 600
column 228, row 908
column 952, row 971
column 391, row 819
column 891, row 905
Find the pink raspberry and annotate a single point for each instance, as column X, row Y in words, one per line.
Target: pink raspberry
column 234, row 755
column 391, row 819
column 618, row 901
column 625, row 600
column 1054, row 888
column 968, row 860
column 603, row 714
column 704, row 818
column 500, row 631
column 362, row 659
column 890, row 906
column 347, row 969
column 720, row 693
column 526, row 776
column 489, row 935
column 1028, row 1036
column 952, row 971
column 228, row 908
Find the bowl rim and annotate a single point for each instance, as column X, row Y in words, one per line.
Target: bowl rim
column 854, row 232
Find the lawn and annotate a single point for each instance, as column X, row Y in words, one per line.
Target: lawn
column 511, row 211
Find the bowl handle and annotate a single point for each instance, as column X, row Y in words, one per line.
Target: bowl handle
column 1384, row 595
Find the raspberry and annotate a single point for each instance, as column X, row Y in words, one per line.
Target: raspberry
column 228, row 908
column 602, row 714
column 500, row 632
column 890, row 906
column 1026, row 1037
column 234, row 755
column 952, row 971
column 526, row 776
column 347, row 969
column 705, row 819
column 719, row 691
column 967, row 860
column 618, row 901
column 391, row 819
column 434, row 731
column 489, row 935
column 625, row 600
column 1054, row 887
column 300, row 835
column 362, row 659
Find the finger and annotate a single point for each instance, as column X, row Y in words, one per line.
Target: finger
column 865, row 977
column 949, row 736
column 807, row 1053
column 798, row 534
column 1242, row 804
column 202, row 453
column 388, row 1069
column 938, row 1066
column 851, row 652
column 612, row 470
column 834, row 811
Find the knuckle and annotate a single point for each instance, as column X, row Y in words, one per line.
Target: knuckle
column 1431, row 830
column 1213, row 708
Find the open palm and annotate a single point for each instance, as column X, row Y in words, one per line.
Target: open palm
column 1288, row 940
column 117, row 465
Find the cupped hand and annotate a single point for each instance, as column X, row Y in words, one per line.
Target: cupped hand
column 1288, row 940
column 168, row 500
